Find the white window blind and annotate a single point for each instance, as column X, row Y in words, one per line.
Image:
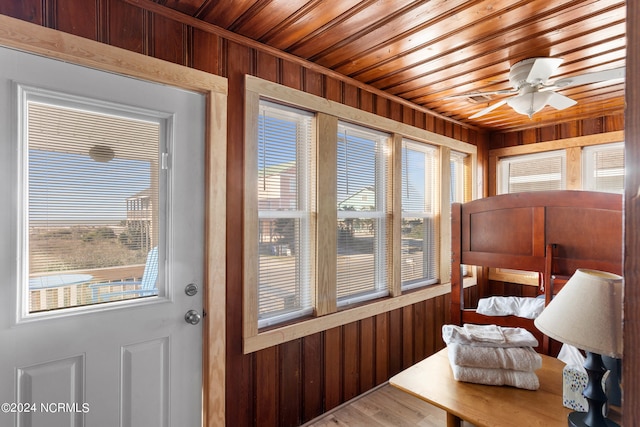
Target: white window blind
column 93, row 199
column 533, row 172
column 363, row 204
column 286, row 205
column 460, row 188
column 419, row 208
column 603, row 168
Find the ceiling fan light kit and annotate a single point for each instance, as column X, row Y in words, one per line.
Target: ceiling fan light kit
column 530, row 81
column 529, row 103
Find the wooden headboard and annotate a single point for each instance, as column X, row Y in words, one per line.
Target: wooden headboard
column 514, row 231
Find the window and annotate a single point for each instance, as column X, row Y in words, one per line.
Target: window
column 362, row 205
column 92, row 176
column 419, row 209
column 603, row 168
column 532, row 172
column 342, row 213
column 460, row 191
column 286, row 182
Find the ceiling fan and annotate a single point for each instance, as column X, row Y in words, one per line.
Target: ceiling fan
column 530, row 81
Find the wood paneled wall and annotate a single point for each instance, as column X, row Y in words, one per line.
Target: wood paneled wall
column 560, row 131
column 291, row 383
column 294, row 382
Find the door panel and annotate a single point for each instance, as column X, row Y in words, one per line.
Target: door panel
column 144, row 385
column 46, row 385
column 131, row 363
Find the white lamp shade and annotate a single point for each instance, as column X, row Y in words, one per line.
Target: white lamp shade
column 587, row 313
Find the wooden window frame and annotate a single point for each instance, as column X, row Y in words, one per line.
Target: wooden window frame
column 327, row 315
column 573, row 147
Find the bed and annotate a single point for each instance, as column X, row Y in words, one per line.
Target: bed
column 551, row 233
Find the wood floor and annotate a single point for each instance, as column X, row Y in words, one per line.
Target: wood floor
column 384, row 406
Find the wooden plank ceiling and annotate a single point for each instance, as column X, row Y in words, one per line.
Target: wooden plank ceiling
column 429, row 52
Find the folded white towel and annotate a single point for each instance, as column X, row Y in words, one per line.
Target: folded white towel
column 513, row 358
column 484, row 333
column 519, row 379
column 529, row 308
column 514, row 337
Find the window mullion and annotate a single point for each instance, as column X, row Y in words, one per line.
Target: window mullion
column 445, row 212
column 395, row 288
column 573, row 170
column 326, row 248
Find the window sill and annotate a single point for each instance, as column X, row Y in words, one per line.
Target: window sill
column 303, row 328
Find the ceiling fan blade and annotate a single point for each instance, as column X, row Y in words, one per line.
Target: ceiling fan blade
column 542, row 69
column 489, row 109
column 472, row 94
column 559, row 101
column 598, row 76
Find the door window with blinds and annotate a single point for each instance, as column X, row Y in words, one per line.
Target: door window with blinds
column 90, row 186
column 286, row 205
column 603, row 168
column 419, row 207
column 363, row 206
column 532, row 172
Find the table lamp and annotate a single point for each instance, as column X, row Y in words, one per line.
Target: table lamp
column 587, row 313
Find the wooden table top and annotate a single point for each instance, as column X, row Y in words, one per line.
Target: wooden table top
column 483, row 405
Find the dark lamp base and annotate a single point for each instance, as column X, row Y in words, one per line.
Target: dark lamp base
column 577, row 419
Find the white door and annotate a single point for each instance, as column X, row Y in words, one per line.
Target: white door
column 102, row 226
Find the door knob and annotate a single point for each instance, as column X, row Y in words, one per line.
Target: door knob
column 192, row 317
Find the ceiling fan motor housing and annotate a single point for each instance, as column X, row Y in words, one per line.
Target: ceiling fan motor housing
column 520, row 71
